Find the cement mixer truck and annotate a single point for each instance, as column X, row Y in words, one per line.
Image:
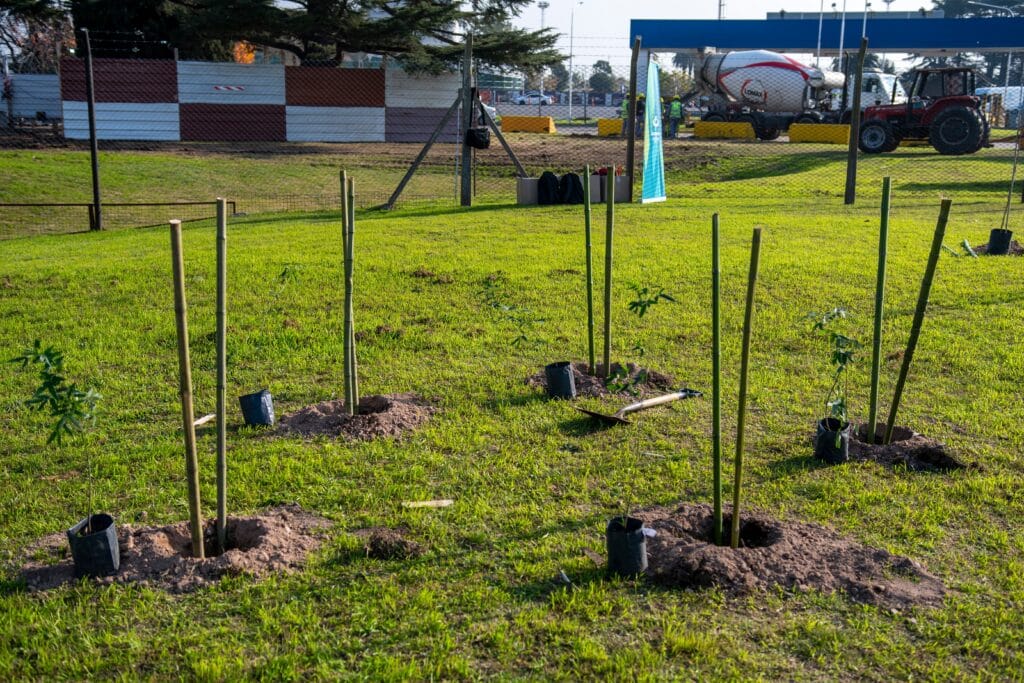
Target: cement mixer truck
column 771, row 91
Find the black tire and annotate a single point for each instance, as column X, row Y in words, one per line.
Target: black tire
column 957, row 130
column 752, row 120
column 876, row 136
column 889, row 147
column 713, row 116
column 770, row 134
column 808, row 117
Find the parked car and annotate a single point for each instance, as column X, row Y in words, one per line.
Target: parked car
column 532, row 97
column 491, row 111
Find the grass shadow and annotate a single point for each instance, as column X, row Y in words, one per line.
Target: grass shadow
column 584, row 426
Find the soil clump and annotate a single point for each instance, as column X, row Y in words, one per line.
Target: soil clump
column 907, row 448
column 379, row 416
column 383, row 543
column 633, row 381
column 276, row 541
column 791, row 555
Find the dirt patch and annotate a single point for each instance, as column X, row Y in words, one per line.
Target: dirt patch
column 279, row 540
column 383, row 543
column 1015, row 249
column 791, row 555
column 635, row 381
column 391, row 415
column 908, row 448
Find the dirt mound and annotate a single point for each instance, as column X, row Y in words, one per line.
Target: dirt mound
column 278, row 540
column 791, row 555
column 633, row 381
column 389, row 544
column 1015, row 249
column 908, row 448
column 391, row 415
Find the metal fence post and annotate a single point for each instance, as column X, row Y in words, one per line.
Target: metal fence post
column 94, row 150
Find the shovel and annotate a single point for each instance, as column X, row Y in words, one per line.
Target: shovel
column 620, row 416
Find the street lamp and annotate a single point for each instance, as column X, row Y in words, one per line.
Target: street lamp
column 1009, row 55
column 821, row 18
column 864, row 24
column 543, row 4
column 572, row 27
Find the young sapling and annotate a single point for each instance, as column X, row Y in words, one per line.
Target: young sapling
column 842, row 353
column 71, row 408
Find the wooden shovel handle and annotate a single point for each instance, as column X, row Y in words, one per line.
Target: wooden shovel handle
column 658, row 400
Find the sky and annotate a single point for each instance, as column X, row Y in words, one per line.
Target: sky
column 600, row 28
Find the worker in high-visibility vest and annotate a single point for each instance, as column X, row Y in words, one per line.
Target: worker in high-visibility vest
column 625, row 115
column 675, row 115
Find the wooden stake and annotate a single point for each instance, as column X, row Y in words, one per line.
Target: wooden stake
column 922, row 305
column 185, row 392
column 741, row 415
column 353, row 357
column 609, row 234
column 716, row 381
column 222, row 373
column 346, row 333
column 347, row 329
column 590, row 270
column 876, row 342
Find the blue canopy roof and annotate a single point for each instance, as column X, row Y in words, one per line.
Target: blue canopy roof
column 919, row 35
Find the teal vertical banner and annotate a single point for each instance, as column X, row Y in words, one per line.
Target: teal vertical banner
column 654, row 163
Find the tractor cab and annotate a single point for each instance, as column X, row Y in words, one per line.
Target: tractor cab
column 931, row 84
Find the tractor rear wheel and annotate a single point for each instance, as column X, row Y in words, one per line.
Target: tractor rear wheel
column 876, row 136
column 957, row 130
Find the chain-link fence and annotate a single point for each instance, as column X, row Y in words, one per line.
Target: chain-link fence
column 272, row 136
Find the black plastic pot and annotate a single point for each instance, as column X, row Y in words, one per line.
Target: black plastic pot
column 999, row 242
column 627, row 547
column 258, row 408
column 560, row 380
column 825, row 447
column 95, row 553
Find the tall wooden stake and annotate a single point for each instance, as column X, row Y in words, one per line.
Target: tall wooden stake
column 608, row 235
column 922, row 305
column 185, row 392
column 466, row 188
column 876, row 342
column 590, row 271
column 353, row 356
column 347, row 329
column 741, row 415
column 631, row 131
column 851, row 158
column 222, row 373
column 716, row 380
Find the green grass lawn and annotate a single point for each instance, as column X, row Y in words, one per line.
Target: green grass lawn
column 533, row 485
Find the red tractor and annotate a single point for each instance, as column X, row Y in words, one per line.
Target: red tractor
column 941, row 108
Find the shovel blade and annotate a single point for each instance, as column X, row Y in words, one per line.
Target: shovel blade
column 607, row 419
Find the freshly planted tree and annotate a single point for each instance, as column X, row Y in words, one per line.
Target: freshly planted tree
column 832, row 443
column 93, row 540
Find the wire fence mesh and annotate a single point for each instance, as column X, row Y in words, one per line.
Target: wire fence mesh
column 272, row 136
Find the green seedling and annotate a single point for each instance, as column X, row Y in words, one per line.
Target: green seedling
column 647, row 297
column 493, row 295
column 71, row 408
column 842, row 354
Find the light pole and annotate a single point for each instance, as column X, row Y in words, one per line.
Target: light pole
column 821, row 18
column 543, row 4
column 572, row 27
column 864, row 24
column 1009, row 55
